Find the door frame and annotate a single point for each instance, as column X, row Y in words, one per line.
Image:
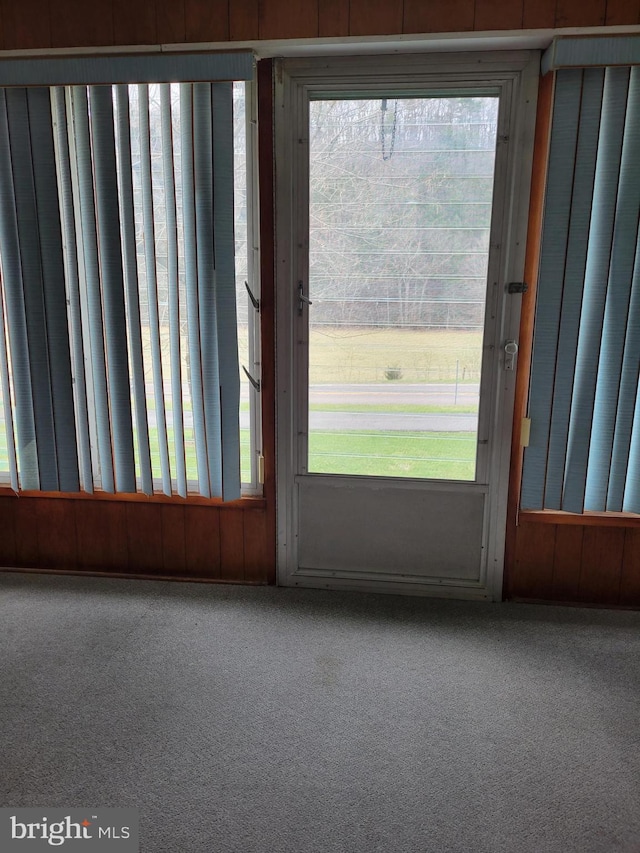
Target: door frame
column 516, row 74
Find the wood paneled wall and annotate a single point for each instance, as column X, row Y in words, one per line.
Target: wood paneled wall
column 149, row 538
column 28, row 24
column 583, row 560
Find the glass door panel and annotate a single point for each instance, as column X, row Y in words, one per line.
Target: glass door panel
column 400, row 212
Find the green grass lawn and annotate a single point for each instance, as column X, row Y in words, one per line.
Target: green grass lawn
column 438, row 455
column 190, row 455
column 401, row 408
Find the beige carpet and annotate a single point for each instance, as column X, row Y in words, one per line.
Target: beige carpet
column 246, row 720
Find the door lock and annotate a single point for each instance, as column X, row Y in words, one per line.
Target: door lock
column 510, row 352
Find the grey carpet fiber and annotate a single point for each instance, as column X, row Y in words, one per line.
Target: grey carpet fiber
column 290, row 721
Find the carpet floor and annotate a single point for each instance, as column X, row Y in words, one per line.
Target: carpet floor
column 262, row 720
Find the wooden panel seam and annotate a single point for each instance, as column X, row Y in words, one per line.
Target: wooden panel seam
column 126, row 576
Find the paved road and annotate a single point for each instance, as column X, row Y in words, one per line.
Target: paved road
column 381, row 394
column 435, row 394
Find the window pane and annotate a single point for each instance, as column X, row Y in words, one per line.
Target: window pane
column 400, row 212
column 246, row 315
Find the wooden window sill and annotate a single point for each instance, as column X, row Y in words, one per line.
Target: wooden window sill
column 245, row 503
column 595, row 519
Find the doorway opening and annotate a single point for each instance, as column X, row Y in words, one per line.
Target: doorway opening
column 401, row 215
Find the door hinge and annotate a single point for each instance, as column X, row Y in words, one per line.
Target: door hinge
column 525, row 432
column 261, row 469
column 517, row 287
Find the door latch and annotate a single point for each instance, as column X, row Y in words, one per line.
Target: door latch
column 510, row 352
column 517, row 287
column 302, row 298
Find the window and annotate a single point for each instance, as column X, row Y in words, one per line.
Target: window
column 126, row 250
column 584, row 452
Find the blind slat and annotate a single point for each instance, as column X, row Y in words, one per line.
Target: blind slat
column 92, row 285
column 67, row 219
column 224, row 251
column 203, row 174
column 152, row 285
column 129, row 257
column 172, row 284
column 191, row 285
column 110, row 255
column 14, row 302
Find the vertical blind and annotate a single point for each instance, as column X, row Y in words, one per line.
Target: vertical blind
column 584, row 405
column 116, row 222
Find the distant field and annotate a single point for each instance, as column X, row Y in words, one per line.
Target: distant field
column 352, row 355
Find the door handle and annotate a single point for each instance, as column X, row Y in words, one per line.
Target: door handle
column 510, row 352
column 302, row 298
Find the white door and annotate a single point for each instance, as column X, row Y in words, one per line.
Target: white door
column 402, row 195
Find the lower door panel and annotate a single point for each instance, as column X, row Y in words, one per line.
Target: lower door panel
column 348, row 528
